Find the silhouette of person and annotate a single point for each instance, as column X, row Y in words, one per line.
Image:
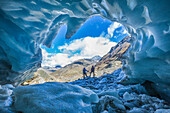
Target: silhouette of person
column 84, row 72
column 92, row 71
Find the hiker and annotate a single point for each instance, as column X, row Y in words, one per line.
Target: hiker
column 92, row 71
column 84, row 73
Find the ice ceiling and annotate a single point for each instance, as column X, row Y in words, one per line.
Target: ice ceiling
column 25, row 24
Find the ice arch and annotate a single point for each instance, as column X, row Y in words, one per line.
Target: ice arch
column 25, row 24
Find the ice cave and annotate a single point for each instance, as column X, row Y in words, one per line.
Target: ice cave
column 145, row 75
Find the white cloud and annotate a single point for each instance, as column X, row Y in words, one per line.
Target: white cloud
column 88, row 47
column 113, row 27
column 52, row 59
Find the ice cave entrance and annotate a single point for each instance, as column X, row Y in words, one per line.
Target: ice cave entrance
column 94, row 38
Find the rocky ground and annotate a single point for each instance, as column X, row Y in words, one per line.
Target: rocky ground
column 103, row 94
column 40, row 76
column 117, row 98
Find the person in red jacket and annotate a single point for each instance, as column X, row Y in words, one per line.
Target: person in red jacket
column 92, row 71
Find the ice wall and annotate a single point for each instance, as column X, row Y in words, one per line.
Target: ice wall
column 25, row 24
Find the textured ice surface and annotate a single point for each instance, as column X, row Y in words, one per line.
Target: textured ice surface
column 94, row 97
column 53, row 97
column 5, row 98
column 162, row 111
column 117, row 98
column 24, row 25
column 111, row 103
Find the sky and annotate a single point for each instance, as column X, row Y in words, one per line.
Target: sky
column 95, row 37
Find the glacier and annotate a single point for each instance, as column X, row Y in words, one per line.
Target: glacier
column 54, row 97
column 6, row 99
column 117, row 98
column 24, row 25
column 90, row 95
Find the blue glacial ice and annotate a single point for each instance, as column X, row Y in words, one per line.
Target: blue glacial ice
column 24, row 25
column 81, row 96
column 6, row 98
column 53, row 97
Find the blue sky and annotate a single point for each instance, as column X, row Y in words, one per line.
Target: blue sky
column 95, row 37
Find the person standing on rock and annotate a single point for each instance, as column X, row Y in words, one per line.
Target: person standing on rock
column 84, row 73
column 92, row 71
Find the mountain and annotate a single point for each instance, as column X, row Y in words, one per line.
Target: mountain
column 112, row 60
column 67, row 73
column 107, row 64
column 116, row 52
column 52, row 69
column 96, row 58
column 40, row 76
column 73, row 71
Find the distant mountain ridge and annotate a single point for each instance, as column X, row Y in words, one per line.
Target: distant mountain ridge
column 112, row 60
column 116, row 52
column 106, row 64
column 96, row 58
column 52, row 69
column 73, row 71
